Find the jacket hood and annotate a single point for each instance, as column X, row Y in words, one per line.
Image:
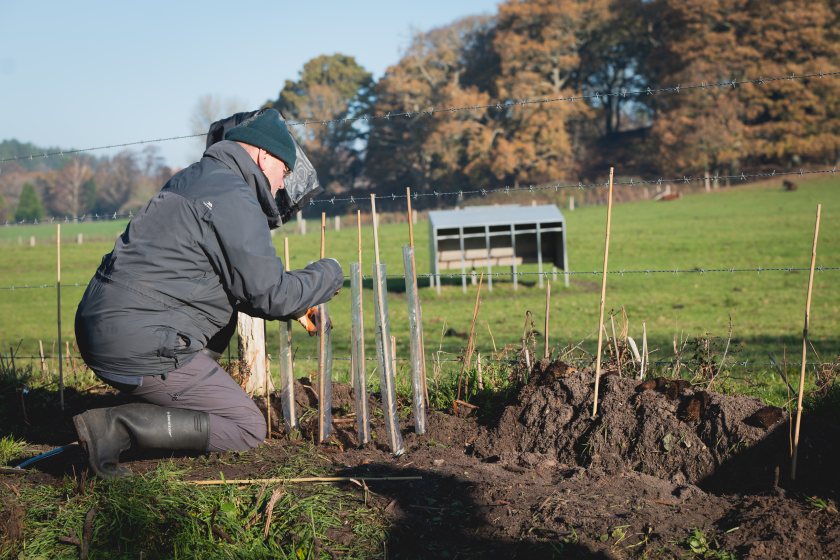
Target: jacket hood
column 299, row 188
column 233, row 156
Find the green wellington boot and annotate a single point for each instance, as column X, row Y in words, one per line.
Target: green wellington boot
column 104, row 433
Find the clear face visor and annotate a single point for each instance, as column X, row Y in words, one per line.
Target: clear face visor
column 299, row 187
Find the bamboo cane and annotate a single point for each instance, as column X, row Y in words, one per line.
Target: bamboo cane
column 41, row 355
column 394, row 356
column 615, row 343
column 547, row 312
column 644, row 352
column 805, row 346
column 58, row 312
column 243, row 481
column 69, row 359
column 467, row 362
column 603, row 298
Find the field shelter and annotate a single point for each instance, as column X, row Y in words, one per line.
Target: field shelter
column 477, row 238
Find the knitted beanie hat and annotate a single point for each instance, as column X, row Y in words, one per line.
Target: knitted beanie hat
column 268, row 131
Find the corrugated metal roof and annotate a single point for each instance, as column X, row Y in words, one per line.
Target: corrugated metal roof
column 494, row 215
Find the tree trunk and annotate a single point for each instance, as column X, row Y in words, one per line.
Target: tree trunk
column 252, row 354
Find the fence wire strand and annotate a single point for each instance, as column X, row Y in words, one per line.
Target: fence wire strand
column 558, row 273
column 483, row 192
column 508, row 190
column 498, row 106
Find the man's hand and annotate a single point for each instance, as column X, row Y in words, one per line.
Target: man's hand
column 311, row 320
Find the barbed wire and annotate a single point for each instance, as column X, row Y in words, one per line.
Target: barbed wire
column 498, row 106
column 85, row 218
column 483, row 192
column 558, row 273
column 508, row 190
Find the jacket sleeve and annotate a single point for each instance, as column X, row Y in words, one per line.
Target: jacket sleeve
column 253, row 274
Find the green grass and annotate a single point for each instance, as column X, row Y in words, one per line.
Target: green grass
column 745, row 227
column 159, row 515
column 10, row 449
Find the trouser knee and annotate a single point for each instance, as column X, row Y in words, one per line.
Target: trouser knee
column 240, row 432
column 254, row 430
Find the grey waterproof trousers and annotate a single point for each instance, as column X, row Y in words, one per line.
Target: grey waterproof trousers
column 236, row 424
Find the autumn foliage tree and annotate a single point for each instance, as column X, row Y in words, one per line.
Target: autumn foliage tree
column 330, row 88
column 422, row 150
column 778, row 122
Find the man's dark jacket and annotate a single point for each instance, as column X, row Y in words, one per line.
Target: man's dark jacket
column 199, row 252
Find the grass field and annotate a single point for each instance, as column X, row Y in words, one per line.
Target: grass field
column 745, row 227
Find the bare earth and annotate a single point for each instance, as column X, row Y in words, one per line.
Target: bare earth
column 544, row 479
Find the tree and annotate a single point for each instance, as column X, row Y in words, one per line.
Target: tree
column 780, row 122
column 208, row 109
column 539, row 43
column 64, row 187
column 330, row 88
column 29, row 207
column 4, row 209
column 423, row 150
column 116, row 181
column 88, row 198
column 612, row 60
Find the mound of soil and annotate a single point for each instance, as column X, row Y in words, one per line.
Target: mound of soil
column 663, row 428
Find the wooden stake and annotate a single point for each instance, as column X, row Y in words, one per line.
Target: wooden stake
column 603, row 298
column 547, row 311
column 240, row 481
column 58, row 314
column 805, row 346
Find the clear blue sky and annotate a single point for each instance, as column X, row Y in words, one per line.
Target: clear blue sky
column 79, row 74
